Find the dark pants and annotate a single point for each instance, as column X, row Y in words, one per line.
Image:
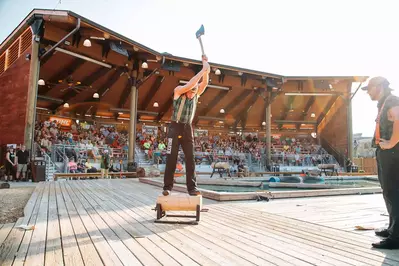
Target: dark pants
column 388, row 175
column 180, row 134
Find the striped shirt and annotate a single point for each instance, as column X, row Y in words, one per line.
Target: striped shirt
column 186, row 107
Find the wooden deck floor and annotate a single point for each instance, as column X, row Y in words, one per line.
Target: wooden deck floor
column 111, row 222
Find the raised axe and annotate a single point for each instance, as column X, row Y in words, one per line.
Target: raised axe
column 198, row 34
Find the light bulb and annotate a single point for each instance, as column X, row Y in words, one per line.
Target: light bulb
column 87, row 43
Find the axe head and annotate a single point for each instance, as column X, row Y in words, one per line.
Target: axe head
column 200, row 32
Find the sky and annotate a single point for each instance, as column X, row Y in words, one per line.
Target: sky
column 287, row 37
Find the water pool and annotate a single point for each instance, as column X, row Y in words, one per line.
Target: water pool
column 356, row 183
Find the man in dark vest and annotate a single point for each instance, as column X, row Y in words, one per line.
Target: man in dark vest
column 185, row 99
column 386, row 139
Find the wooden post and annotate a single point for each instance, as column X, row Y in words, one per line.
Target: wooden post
column 268, row 131
column 349, row 123
column 32, row 96
column 350, row 130
column 133, row 118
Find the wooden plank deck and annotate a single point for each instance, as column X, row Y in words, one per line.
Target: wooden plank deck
column 341, row 212
column 111, row 222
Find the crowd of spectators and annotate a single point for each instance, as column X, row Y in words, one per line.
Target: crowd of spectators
column 87, row 141
column 210, row 148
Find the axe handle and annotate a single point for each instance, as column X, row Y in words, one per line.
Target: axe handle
column 202, row 47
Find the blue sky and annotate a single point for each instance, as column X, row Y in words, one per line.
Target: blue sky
column 284, row 37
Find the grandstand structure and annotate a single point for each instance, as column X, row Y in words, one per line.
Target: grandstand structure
column 59, row 64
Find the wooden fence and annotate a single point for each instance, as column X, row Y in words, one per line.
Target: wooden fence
column 368, row 165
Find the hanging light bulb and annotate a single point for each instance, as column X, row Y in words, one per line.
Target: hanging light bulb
column 66, row 105
column 96, row 95
column 144, row 65
column 221, row 111
column 77, row 121
column 87, row 43
column 263, row 123
column 41, row 82
column 217, row 72
column 313, row 115
column 155, row 104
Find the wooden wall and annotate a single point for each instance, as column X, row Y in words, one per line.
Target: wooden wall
column 368, row 165
column 14, row 84
column 334, row 127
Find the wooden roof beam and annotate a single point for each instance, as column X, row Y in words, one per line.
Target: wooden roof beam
column 108, row 84
column 213, row 103
column 263, row 117
column 154, row 88
column 112, row 80
column 128, row 87
column 244, row 111
column 235, row 102
column 165, row 107
column 88, row 81
column 308, row 105
column 63, row 74
column 125, row 93
column 291, row 100
column 328, row 107
column 294, row 122
column 241, row 97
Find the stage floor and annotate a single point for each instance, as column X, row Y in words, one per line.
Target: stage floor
column 111, row 222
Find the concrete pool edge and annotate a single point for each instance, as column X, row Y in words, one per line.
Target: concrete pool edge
column 232, row 196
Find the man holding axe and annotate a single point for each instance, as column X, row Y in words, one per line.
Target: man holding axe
column 185, row 100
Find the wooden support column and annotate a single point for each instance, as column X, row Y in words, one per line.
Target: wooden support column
column 268, row 132
column 349, row 123
column 134, row 94
column 33, row 88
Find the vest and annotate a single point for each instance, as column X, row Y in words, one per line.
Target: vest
column 184, row 109
column 386, row 126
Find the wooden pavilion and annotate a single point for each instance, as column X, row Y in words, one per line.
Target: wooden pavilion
column 60, row 63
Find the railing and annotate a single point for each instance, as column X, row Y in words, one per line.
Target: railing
column 254, row 162
column 340, row 158
column 49, row 165
column 58, row 155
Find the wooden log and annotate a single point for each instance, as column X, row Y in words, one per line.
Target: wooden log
column 98, row 174
column 222, row 182
column 181, row 202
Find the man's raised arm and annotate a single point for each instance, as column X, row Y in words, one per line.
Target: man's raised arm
column 193, row 81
